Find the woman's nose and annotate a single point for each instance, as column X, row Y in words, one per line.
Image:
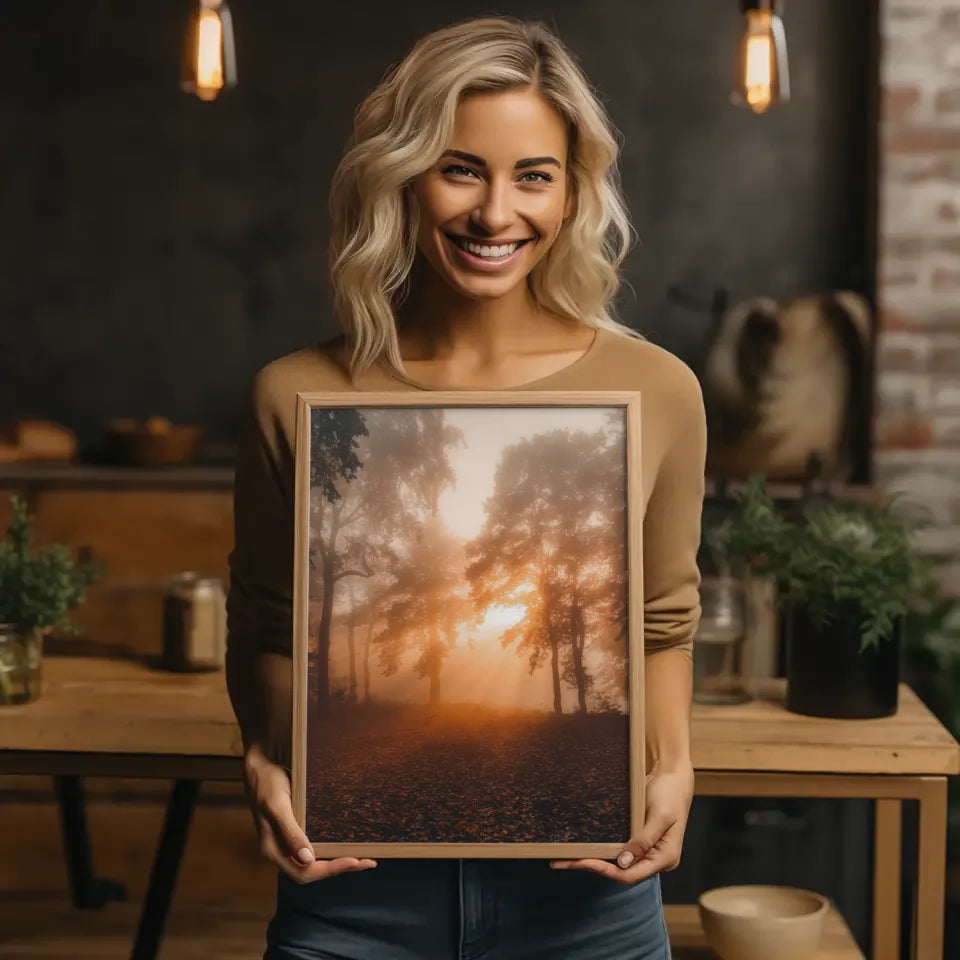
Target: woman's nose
column 494, row 213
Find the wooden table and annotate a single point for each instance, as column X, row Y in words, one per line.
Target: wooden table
column 99, row 717
column 759, row 749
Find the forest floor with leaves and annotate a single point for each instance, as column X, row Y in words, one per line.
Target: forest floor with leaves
column 467, row 774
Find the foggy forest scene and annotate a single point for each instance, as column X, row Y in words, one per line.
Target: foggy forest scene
column 468, row 639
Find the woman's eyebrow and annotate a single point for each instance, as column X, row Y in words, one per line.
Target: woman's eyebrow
column 535, row 162
column 519, row 165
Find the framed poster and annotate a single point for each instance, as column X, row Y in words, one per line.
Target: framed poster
column 468, row 624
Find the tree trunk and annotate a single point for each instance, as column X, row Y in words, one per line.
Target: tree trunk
column 433, row 666
column 366, row 660
column 554, row 642
column 555, row 670
column 327, row 553
column 351, row 647
column 580, row 674
column 323, row 644
column 577, row 639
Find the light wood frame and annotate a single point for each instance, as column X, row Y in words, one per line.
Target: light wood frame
column 630, row 403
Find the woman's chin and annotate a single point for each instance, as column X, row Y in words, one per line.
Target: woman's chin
column 484, row 289
column 479, row 286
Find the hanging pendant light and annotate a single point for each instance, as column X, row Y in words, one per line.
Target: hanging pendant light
column 210, row 61
column 761, row 76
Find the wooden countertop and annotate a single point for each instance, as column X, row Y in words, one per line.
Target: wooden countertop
column 762, row 735
column 99, row 706
column 120, row 706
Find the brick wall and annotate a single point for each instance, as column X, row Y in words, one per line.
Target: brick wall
column 918, row 353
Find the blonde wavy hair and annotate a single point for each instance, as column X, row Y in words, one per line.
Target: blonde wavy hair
column 403, row 127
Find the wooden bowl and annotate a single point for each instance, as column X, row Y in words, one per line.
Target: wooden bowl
column 153, row 442
column 757, row 922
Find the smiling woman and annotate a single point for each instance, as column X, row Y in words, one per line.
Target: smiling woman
column 477, row 230
column 488, row 165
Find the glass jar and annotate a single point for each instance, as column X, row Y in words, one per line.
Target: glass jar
column 194, row 623
column 20, row 658
column 718, row 674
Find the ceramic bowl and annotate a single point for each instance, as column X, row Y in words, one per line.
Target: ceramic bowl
column 757, row 922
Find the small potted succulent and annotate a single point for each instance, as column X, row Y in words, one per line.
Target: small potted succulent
column 847, row 575
column 38, row 588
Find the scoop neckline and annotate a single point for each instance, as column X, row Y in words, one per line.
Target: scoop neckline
column 584, row 357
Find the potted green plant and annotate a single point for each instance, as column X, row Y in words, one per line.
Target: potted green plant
column 847, row 574
column 38, row 588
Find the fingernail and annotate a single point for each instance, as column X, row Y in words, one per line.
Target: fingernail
column 305, row 855
column 625, row 858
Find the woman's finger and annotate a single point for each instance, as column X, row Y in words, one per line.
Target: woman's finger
column 658, row 822
column 282, row 841
column 663, row 855
column 310, row 872
column 645, row 868
column 663, row 858
column 274, row 852
column 657, row 826
column 278, row 811
column 293, row 841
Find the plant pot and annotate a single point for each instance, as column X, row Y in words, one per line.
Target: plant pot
column 828, row 675
column 21, row 655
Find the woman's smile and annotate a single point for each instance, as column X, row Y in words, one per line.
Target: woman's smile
column 486, row 254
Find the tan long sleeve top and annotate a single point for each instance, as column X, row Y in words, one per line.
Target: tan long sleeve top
column 673, row 441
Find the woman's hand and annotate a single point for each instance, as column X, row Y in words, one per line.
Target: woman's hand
column 668, row 799
column 281, row 839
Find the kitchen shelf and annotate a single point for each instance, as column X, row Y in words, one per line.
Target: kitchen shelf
column 77, row 476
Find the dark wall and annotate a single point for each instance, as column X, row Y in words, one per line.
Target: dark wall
column 156, row 250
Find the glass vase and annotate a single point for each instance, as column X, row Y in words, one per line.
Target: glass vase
column 20, row 660
column 718, row 668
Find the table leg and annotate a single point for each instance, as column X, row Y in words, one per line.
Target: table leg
column 86, row 891
column 930, row 895
column 166, row 864
column 887, row 840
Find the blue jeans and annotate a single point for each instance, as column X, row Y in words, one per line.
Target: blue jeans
column 467, row 910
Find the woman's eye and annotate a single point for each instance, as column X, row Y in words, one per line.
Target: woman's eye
column 539, row 176
column 459, row 170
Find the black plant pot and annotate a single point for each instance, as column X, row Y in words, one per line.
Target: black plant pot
column 829, row 676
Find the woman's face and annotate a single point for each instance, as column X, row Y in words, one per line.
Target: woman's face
column 493, row 204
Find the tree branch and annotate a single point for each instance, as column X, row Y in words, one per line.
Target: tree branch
column 352, row 515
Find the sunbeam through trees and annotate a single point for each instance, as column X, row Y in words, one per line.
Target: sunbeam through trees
column 468, row 582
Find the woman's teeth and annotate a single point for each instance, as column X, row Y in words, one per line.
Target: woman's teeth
column 486, row 251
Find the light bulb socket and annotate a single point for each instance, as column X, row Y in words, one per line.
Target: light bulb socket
column 774, row 6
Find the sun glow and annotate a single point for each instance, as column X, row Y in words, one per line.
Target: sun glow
column 501, row 618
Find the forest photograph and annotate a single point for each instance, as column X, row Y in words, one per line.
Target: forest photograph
column 467, row 637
